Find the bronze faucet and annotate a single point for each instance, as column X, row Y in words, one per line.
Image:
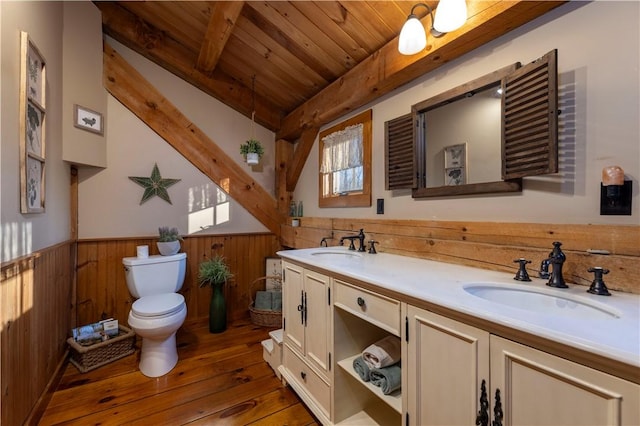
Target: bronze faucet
column 556, row 260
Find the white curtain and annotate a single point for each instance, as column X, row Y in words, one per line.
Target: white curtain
column 342, row 149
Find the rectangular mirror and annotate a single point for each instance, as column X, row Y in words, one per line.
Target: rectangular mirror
column 485, row 135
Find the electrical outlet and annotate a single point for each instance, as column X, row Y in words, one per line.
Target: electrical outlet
column 380, row 206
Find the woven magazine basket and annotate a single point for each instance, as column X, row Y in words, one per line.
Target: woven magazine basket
column 87, row 358
column 264, row 318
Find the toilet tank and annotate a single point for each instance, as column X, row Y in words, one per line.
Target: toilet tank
column 155, row 274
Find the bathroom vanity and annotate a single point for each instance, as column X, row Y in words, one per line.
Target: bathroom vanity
column 477, row 346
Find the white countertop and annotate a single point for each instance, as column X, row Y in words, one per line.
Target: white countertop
column 444, row 284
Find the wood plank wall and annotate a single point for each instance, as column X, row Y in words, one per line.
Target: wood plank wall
column 35, row 310
column 102, row 289
column 490, row 245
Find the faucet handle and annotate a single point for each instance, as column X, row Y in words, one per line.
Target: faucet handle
column 522, row 274
column 372, row 246
column 598, row 286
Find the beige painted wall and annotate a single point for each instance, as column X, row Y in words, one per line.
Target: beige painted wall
column 82, row 44
column 599, row 80
column 109, row 203
column 22, row 234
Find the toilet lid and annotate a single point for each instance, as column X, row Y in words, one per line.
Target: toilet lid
column 158, row 304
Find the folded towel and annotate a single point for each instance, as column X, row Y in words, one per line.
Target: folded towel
column 383, row 353
column 263, row 300
column 362, row 368
column 276, row 300
column 388, row 379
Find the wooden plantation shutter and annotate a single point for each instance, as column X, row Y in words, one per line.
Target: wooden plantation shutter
column 399, row 154
column 530, row 111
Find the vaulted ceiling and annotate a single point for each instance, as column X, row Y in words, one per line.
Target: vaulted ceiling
column 298, row 64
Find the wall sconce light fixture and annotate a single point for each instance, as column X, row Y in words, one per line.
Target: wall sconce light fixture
column 450, row 15
column 615, row 192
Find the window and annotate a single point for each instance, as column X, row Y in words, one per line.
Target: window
column 345, row 163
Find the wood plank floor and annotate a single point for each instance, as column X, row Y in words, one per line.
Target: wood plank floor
column 220, row 379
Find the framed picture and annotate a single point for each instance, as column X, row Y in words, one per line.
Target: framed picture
column 86, row 119
column 33, row 84
column 455, row 156
column 455, row 176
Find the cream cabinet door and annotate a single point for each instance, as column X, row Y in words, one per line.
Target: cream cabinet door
column 317, row 320
column 447, row 362
column 292, row 306
column 537, row 388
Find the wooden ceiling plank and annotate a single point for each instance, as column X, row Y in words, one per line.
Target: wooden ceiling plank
column 388, row 69
column 391, row 13
column 297, row 67
column 356, row 30
column 314, row 32
column 311, row 10
column 368, row 18
column 223, row 19
column 186, row 23
column 304, row 87
column 167, row 53
column 280, row 90
column 280, row 29
column 127, row 85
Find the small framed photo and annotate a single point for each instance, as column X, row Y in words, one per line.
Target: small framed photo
column 455, row 156
column 455, row 176
column 86, row 119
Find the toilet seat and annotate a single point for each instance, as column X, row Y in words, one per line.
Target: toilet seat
column 158, row 305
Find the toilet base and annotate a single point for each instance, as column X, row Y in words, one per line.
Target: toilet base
column 158, row 357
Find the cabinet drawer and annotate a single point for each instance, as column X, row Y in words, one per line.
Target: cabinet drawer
column 379, row 310
column 307, row 378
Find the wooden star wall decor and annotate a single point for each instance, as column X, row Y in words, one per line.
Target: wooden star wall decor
column 154, row 185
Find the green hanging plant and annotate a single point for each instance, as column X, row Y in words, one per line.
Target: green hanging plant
column 251, row 146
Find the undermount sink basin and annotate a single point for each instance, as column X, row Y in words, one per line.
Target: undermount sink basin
column 544, row 302
column 337, row 254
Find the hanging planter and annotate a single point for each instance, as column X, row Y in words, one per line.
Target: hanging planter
column 252, row 150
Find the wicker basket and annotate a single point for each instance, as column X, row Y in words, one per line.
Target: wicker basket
column 262, row 317
column 87, row 358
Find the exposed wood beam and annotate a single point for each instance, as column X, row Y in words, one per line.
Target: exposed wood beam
column 300, row 156
column 284, row 154
column 223, row 19
column 123, row 26
column 387, row 69
column 127, row 85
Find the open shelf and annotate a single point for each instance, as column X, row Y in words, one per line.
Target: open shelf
column 374, row 414
column 394, row 399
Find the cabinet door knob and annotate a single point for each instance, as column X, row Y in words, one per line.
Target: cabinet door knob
column 360, row 301
column 303, row 375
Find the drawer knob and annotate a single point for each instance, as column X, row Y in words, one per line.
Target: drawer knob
column 303, row 375
column 360, row 301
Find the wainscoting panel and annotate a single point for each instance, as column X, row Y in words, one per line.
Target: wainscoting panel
column 102, row 288
column 36, row 312
column 490, row 245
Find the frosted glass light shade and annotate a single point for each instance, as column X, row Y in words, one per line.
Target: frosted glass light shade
column 412, row 38
column 450, row 15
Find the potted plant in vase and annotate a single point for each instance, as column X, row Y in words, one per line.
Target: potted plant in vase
column 252, row 151
column 169, row 241
column 215, row 272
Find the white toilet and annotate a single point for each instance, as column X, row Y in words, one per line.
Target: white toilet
column 159, row 311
